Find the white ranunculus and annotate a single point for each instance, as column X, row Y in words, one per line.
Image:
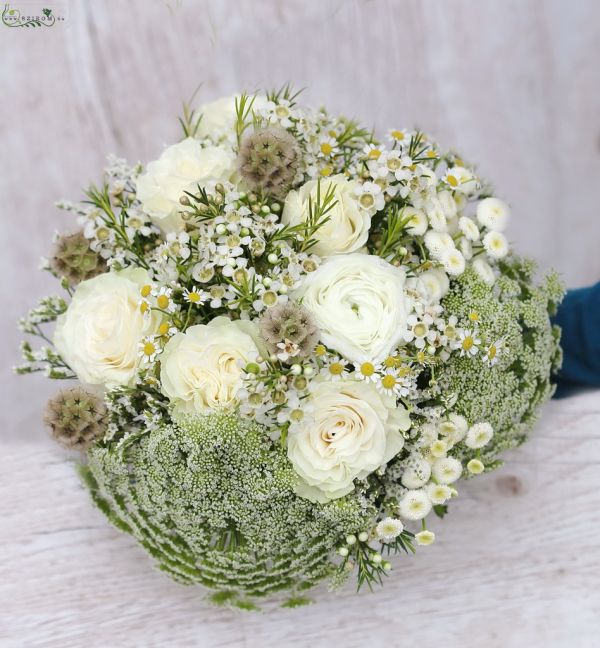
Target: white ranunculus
column 348, row 226
column 181, row 167
column 217, row 119
column 201, row 368
column 98, row 336
column 360, row 305
column 353, row 430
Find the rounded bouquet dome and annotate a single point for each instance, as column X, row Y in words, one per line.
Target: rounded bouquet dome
column 292, row 339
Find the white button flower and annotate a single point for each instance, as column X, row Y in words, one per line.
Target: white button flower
column 348, row 226
column 446, row 470
column 479, row 435
column 352, row 430
column 414, row 505
column 495, row 244
column 493, row 213
column 99, row 334
column 360, row 305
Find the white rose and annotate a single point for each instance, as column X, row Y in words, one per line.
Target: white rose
column 360, row 305
column 99, row 334
column 353, row 431
column 348, row 226
column 201, row 368
column 217, row 119
column 181, row 167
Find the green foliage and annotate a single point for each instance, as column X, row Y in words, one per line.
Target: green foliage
column 508, row 394
column 212, row 500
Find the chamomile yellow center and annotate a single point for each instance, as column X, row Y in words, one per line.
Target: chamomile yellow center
column 367, row 369
column 336, row 368
column 468, row 343
column 388, row 381
column 145, row 291
column 149, row 348
column 326, row 148
column 452, row 181
column 374, row 154
column 320, row 349
column 162, row 301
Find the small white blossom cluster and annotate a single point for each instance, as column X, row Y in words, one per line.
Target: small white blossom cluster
column 284, row 265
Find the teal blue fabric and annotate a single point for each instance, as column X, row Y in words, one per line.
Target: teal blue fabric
column 579, row 317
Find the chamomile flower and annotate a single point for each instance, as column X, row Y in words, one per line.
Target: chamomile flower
column 479, row 435
column 164, row 299
column 366, row 371
column 167, row 329
column 391, row 384
column 388, row 529
column 335, row 368
column 468, row 342
column 328, row 147
column 461, row 180
column 398, row 135
column 425, row 538
column 414, row 505
column 195, row 296
column 493, row 352
column 149, row 349
column 495, row 244
column 372, row 152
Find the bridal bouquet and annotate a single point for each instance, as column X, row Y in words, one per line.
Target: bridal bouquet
column 291, row 340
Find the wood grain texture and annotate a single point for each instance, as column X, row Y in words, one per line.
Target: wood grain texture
column 514, row 85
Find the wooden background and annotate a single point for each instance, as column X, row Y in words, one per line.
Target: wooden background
column 515, row 85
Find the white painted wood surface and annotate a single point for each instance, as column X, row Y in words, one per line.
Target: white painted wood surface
column 515, row 85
